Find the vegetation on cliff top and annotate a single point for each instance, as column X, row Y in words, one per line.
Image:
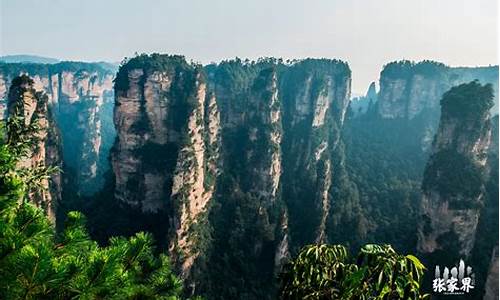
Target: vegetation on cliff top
column 458, row 176
column 468, row 101
column 150, row 63
column 33, row 69
column 404, row 69
column 233, row 73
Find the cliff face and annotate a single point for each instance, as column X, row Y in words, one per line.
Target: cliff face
column 361, row 104
column 83, row 101
column 279, row 132
column 453, row 186
column 280, row 129
column 491, row 285
column 371, row 93
column 315, row 98
column 32, row 106
column 165, row 156
column 195, row 175
column 406, row 88
column 79, row 95
column 453, row 210
column 485, row 251
column 215, row 149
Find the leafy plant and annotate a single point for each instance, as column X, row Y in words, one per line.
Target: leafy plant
column 329, row 272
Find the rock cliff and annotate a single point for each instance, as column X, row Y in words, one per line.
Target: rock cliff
column 165, row 155
column 216, row 149
column 248, row 194
column 485, row 252
column 408, row 88
column 453, row 185
column 235, row 166
column 361, row 104
column 32, row 107
column 491, row 285
column 80, row 95
column 315, row 98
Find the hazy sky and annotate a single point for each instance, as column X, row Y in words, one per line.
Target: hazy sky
column 365, row 33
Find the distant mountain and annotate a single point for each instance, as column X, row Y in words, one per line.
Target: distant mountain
column 28, row 59
column 360, row 104
column 76, row 91
column 33, row 59
column 408, row 88
column 112, row 67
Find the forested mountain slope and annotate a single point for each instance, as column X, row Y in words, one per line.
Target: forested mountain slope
column 235, row 166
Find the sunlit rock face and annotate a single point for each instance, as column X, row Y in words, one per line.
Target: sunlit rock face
column 453, row 186
column 208, row 146
column 24, row 101
column 280, row 125
column 165, row 158
column 407, row 88
column 80, row 96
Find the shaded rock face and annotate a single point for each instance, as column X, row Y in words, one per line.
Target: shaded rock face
column 406, row 88
column 165, row 158
column 315, row 102
column 360, row 105
column 371, row 93
column 80, row 96
column 216, row 149
column 84, row 104
column 485, row 250
column 453, row 186
column 491, row 286
column 279, row 131
column 24, row 100
column 249, row 189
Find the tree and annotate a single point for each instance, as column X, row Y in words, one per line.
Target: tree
column 329, row 272
column 36, row 263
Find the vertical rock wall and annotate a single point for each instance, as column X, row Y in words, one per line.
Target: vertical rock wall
column 211, row 147
column 24, row 100
column 165, row 158
column 453, row 187
column 79, row 96
column 408, row 88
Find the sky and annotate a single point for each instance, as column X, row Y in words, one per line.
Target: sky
column 365, row 33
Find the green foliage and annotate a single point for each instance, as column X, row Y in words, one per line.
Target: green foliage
column 468, row 101
column 20, row 135
column 246, row 222
column 149, row 64
column 406, row 69
column 35, row 263
column 236, row 75
column 329, row 272
column 15, row 69
column 454, row 176
column 384, row 162
column 19, row 130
